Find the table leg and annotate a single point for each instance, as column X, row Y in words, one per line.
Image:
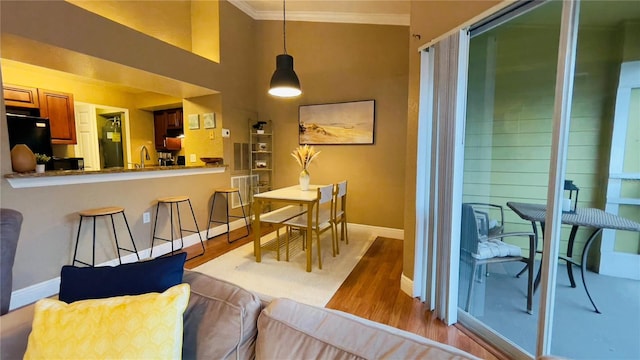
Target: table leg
column 583, row 264
column 572, row 237
column 309, row 234
column 257, row 209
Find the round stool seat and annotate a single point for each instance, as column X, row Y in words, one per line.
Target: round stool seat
column 227, row 190
column 173, row 199
column 109, row 210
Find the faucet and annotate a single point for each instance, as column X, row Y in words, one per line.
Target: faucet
column 144, row 154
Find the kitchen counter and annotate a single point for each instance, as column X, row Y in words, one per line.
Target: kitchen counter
column 70, row 177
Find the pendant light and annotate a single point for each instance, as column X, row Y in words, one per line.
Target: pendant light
column 284, row 82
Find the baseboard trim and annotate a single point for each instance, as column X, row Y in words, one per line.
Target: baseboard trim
column 33, row 293
column 406, row 285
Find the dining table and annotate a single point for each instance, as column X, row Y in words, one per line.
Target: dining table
column 593, row 218
column 291, row 195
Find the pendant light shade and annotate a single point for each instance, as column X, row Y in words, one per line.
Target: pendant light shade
column 284, row 82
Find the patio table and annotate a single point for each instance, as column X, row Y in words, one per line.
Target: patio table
column 586, row 217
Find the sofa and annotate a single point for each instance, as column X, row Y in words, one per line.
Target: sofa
column 224, row 321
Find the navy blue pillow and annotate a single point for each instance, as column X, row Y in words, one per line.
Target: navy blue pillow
column 156, row 275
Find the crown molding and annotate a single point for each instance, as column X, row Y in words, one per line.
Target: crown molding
column 323, row 16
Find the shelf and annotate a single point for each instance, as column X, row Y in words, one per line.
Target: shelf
column 261, row 154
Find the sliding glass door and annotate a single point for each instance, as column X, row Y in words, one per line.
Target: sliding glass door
column 508, row 137
column 543, row 110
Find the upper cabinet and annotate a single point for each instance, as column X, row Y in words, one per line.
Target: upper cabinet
column 20, row 96
column 58, row 107
column 174, row 118
column 167, row 127
column 55, row 105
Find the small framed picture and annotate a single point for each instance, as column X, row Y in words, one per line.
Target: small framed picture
column 209, row 120
column 194, row 121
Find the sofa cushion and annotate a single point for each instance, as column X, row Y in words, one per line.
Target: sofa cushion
column 145, row 326
column 291, row 330
column 156, row 275
column 220, row 320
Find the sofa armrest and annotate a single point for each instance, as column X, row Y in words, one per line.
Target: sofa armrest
column 291, row 330
column 15, row 327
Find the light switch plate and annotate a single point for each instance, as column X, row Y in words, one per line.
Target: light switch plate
column 192, row 158
column 226, row 133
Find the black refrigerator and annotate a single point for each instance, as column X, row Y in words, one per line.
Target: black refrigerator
column 35, row 132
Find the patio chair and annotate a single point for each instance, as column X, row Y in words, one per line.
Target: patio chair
column 481, row 246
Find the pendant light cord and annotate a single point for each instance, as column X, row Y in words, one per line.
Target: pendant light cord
column 284, row 25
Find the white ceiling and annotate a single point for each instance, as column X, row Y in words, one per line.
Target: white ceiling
column 383, row 12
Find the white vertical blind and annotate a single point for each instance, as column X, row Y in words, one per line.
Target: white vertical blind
column 448, row 81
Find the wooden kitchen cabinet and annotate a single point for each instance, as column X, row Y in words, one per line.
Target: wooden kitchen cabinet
column 58, row 107
column 167, row 126
column 174, row 118
column 20, row 96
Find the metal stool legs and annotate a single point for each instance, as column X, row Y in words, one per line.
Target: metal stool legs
column 171, row 202
column 226, row 194
column 94, row 214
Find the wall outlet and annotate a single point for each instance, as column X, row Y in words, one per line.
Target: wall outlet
column 192, row 158
column 146, row 217
column 226, row 133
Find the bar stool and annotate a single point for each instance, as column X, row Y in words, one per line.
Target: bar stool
column 105, row 211
column 226, row 193
column 171, row 201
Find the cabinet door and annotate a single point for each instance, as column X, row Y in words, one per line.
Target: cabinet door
column 174, row 118
column 58, row 107
column 160, row 129
column 20, row 96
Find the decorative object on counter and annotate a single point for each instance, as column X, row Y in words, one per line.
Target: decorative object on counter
column 284, row 82
column 304, row 155
column 212, row 160
column 22, row 159
column 259, row 126
column 41, row 161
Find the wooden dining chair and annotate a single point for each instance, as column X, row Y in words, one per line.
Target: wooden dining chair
column 321, row 220
column 339, row 214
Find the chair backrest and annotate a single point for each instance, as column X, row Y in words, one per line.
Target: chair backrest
column 468, row 231
column 490, row 218
column 324, row 209
column 340, row 197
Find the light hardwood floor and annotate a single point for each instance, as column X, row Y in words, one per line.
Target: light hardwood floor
column 372, row 291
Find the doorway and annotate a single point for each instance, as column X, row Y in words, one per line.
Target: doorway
column 103, row 136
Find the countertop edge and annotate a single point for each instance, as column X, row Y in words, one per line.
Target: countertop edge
column 97, row 177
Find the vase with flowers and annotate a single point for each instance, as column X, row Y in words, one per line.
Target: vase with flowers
column 41, row 161
column 304, row 155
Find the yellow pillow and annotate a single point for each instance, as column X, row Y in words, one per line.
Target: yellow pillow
column 147, row 326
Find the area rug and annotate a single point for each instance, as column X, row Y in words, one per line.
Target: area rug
column 271, row 278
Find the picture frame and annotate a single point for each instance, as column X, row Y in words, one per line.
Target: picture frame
column 350, row 122
column 209, row 120
column 194, row 121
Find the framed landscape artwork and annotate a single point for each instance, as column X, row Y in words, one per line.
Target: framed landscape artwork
column 340, row 123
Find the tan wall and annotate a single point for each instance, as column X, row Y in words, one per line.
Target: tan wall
column 50, row 213
column 338, row 63
column 429, row 20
